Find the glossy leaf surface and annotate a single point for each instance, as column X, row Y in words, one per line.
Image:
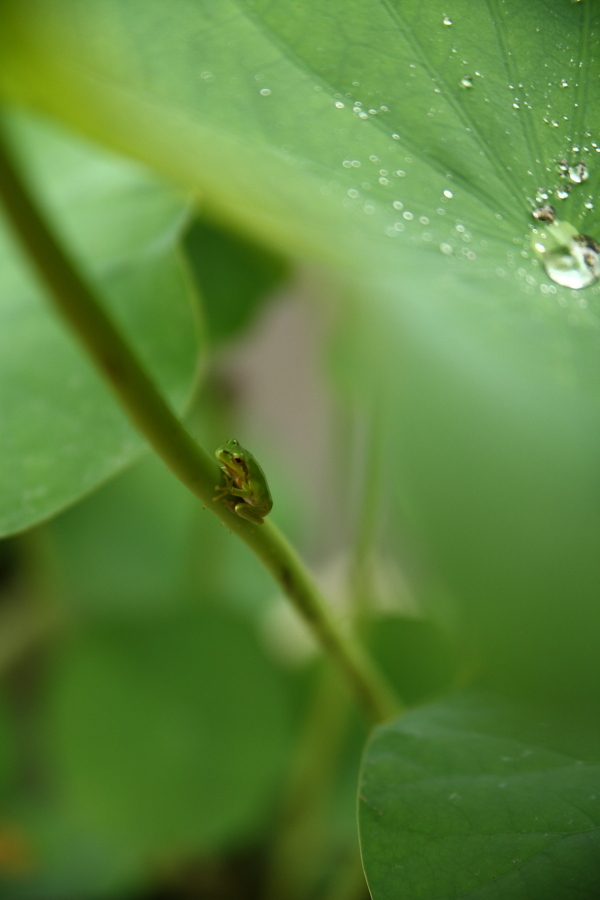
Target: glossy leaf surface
column 474, row 798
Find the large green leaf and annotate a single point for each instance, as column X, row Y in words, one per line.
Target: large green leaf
column 405, row 140
column 170, row 735
column 159, row 742
column 475, row 798
column 127, row 550
column 308, row 122
column 61, row 433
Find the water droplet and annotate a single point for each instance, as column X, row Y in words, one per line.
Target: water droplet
column 516, row 105
column 399, row 226
column 448, row 194
column 396, row 137
column 446, row 249
column 564, row 82
column 570, row 259
column 563, row 166
column 544, row 213
column 339, row 104
column 398, row 204
column 447, row 20
column 423, row 220
column 407, row 215
column 563, row 191
column 578, row 173
column 265, row 92
column 400, row 173
column 466, row 81
column 588, row 204
column 352, row 192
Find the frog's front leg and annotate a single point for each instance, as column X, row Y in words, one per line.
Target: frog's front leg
column 239, row 492
column 224, row 489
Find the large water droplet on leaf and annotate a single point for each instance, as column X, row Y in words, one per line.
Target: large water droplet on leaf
column 570, row 259
column 578, row 173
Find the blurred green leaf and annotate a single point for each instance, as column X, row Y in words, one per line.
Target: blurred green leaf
column 127, row 549
column 61, row 434
column 170, row 735
column 234, row 276
column 64, row 858
column 406, row 142
column 473, row 797
column 8, row 747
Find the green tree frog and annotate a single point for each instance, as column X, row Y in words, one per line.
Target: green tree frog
column 245, row 492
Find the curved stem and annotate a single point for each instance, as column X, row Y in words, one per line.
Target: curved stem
column 77, row 302
column 302, row 847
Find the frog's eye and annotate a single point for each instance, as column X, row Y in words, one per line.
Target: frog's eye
column 237, row 459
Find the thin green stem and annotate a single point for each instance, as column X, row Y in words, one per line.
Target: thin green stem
column 350, row 882
column 77, row 302
column 302, row 849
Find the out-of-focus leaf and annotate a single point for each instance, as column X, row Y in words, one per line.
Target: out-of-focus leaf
column 8, row 749
column 61, row 857
column 235, row 277
column 61, row 433
column 476, row 798
column 169, row 735
column 127, row 549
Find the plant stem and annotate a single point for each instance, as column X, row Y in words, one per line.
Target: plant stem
column 301, row 848
column 77, row 302
column 350, row 883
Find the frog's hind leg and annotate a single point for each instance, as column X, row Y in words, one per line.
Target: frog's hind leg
column 245, row 511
